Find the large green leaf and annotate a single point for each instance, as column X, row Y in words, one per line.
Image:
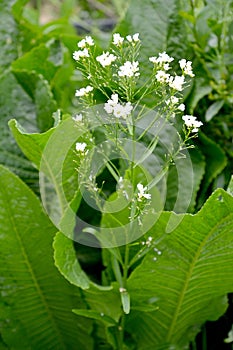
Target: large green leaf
column 188, row 277
column 36, row 300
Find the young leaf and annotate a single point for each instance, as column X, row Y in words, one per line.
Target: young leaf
column 36, row 300
column 189, row 277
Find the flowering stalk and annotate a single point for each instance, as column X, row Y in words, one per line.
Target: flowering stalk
column 115, row 74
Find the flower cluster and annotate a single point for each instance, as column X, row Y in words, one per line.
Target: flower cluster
column 186, row 67
column 192, row 123
column 162, row 61
column 106, row 59
column 120, row 78
column 80, row 147
column 118, row 110
column 161, row 64
column 83, row 91
column 117, row 39
column 129, row 69
column 83, row 44
column 173, row 101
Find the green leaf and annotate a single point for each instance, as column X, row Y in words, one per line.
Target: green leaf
column 188, row 278
column 182, row 191
column 213, row 110
column 36, row 300
column 8, row 35
column 39, row 90
column 105, row 301
column 216, row 161
column 201, row 88
column 96, row 316
column 33, row 144
column 14, row 102
column 17, row 8
column 230, row 186
column 67, row 262
column 58, row 177
column 37, row 60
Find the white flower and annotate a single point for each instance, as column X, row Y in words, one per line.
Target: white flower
column 78, row 117
column 166, row 66
column 177, row 82
column 83, row 91
column 129, row 38
column 162, row 77
column 153, row 59
column 106, row 59
column 82, row 44
column 181, row 107
column 114, row 107
column 163, row 58
column 80, row 53
column 89, row 41
column 174, row 100
column 186, row 67
column 141, row 192
column 80, row 146
column 191, row 122
column 117, row 39
column 182, row 63
column 134, row 38
column 129, row 69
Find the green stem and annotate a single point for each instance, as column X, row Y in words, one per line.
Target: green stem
column 204, row 339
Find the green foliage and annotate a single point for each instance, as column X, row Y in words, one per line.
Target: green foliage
column 153, row 291
column 155, row 21
column 36, row 301
column 189, row 278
